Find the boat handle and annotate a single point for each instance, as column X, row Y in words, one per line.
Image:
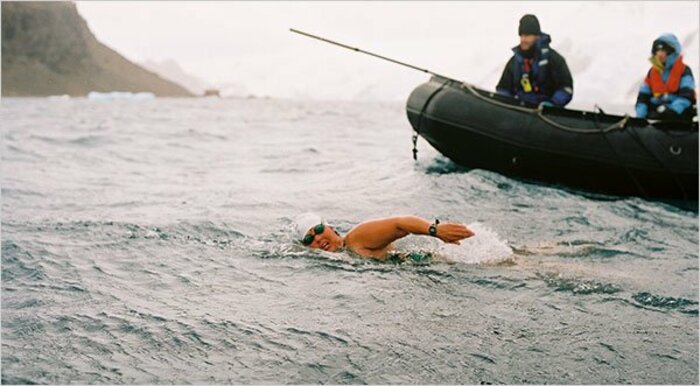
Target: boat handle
column 675, row 150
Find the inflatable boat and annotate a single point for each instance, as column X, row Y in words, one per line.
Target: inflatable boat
column 590, row 151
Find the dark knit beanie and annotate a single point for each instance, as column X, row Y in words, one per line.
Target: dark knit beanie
column 529, row 25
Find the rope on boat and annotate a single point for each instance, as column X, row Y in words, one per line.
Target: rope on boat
column 615, row 126
column 619, row 125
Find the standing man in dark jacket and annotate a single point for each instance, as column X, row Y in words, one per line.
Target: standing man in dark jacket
column 536, row 74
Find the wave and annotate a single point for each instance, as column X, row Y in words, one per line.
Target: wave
column 665, row 302
column 576, row 285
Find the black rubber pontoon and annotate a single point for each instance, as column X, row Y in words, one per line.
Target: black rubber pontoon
column 610, row 154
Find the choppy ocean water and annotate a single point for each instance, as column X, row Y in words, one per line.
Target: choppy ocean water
column 149, row 242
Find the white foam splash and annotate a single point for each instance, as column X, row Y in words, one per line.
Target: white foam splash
column 485, row 246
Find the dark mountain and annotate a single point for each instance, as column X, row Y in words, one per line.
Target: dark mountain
column 48, row 49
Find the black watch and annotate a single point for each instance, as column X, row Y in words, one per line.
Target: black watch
column 432, row 230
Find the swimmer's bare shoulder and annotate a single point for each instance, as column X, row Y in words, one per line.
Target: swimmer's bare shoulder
column 373, row 238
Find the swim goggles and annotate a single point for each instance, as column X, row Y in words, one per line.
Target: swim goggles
column 309, row 238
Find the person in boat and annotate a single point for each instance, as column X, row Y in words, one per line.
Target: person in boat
column 668, row 90
column 536, row 74
column 374, row 238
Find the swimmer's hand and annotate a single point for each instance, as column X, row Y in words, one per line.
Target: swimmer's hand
column 453, row 233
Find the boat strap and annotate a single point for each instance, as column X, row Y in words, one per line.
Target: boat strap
column 414, row 138
column 416, row 130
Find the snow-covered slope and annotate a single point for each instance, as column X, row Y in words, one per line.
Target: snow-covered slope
column 248, row 44
column 605, row 44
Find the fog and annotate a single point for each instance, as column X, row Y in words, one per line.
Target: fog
column 246, row 47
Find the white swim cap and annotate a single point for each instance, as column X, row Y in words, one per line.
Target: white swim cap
column 306, row 221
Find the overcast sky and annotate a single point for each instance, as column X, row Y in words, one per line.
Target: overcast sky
column 248, row 43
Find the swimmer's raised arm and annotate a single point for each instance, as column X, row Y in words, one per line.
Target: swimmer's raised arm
column 373, row 238
column 377, row 235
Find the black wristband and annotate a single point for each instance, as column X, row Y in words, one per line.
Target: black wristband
column 432, row 230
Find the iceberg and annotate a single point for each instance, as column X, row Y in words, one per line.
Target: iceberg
column 120, row 95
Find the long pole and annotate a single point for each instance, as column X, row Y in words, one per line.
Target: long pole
column 368, row 53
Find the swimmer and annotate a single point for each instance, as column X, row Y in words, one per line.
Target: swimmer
column 374, row 238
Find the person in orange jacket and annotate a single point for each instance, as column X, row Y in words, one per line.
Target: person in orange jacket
column 668, row 91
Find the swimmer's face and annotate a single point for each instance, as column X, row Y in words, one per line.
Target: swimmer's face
column 327, row 240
